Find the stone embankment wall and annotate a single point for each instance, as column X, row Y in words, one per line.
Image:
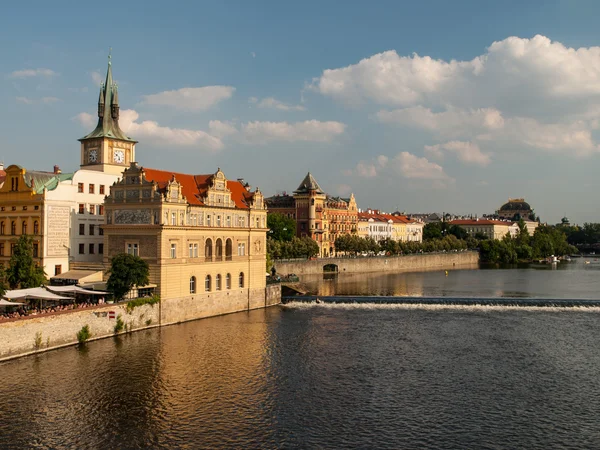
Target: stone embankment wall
column 20, row 337
column 217, row 303
column 33, row 334
column 406, row 263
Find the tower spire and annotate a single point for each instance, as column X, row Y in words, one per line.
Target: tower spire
column 108, row 109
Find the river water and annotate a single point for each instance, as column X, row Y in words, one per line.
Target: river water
column 333, row 375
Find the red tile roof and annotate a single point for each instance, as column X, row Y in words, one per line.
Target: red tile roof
column 384, row 217
column 194, row 187
column 479, row 222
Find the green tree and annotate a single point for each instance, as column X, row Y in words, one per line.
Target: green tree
column 432, row 230
column 281, row 228
column 126, row 271
column 523, row 237
column 22, row 271
column 457, row 231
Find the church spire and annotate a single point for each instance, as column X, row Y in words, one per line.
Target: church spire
column 108, row 110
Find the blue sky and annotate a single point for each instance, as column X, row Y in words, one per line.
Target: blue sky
column 417, row 106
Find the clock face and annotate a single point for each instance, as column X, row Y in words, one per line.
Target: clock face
column 119, row 156
column 93, row 156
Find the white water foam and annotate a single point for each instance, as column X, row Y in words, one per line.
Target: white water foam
column 433, row 307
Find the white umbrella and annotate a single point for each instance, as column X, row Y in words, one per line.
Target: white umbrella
column 6, row 303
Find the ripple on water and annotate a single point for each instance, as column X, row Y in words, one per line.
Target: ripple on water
column 320, row 376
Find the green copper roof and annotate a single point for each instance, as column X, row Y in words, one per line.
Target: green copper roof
column 45, row 180
column 108, row 111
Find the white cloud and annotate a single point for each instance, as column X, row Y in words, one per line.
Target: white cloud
column 29, row 73
column 222, row 129
column 87, row 120
column 247, row 133
column 514, row 74
column 253, row 54
column 31, row 101
column 343, row 189
column 152, row 131
column 48, row 100
column 453, row 122
column 520, row 93
column 467, row 152
column 25, row 100
column 404, row 164
column 191, row 99
column 575, row 136
column 371, row 169
column 307, row 131
column 97, row 77
column 273, row 103
column 252, row 100
column 413, row 167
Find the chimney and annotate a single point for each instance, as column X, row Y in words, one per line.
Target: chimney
column 57, row 170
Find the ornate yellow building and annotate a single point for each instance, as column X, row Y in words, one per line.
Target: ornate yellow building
column 203, row 236
column 31, row 204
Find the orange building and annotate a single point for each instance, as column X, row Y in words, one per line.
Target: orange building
column 318, row 215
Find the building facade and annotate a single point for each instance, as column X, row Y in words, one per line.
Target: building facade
column 515, row 209
column 381, row 226
column 202, row 235
column 29, row 205
column 493, row 229
column 318, row 215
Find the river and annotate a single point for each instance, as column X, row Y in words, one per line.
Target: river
column 333, row 375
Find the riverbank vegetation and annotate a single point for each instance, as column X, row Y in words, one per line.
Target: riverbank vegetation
column 22, row 270
column 126, row 271
column 282, row 242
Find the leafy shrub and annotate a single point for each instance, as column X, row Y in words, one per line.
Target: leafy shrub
column 132, row 304
column 84, row 334
column 119, row 325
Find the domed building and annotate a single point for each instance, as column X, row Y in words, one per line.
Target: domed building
column 515, row 209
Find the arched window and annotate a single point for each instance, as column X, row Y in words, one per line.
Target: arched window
column 24, row 227
column 228, row 249
column 2, row 230
column 241, row 279
column 219, row 250
column 13, row 228
column 218, row 282
column 228, row 281
column 36, row 227
column 192, row 285
column 208, row 250
column 207, row 283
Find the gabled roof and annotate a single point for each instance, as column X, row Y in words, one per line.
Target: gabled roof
column 309, row 184
column 194, row 187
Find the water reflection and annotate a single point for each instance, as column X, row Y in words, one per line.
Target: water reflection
column 536, row 280
column 330, row 376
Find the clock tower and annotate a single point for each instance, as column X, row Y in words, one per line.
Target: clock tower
column 107, row 149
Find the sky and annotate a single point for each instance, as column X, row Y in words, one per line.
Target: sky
column 412, row 106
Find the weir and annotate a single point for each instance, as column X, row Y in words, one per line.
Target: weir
column 443, row 301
